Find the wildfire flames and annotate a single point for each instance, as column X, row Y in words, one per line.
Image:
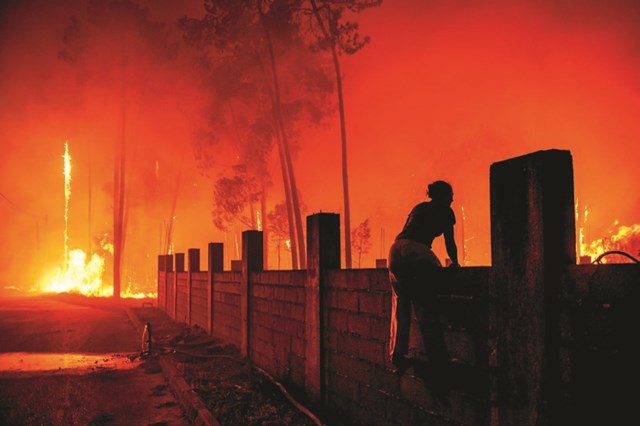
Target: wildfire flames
column 624, row 238
column 80, row 273
column 621, row 238
column 80, row 276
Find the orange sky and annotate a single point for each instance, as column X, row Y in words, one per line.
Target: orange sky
column 441, row 92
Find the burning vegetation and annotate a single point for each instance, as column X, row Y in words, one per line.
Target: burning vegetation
column 81, row 273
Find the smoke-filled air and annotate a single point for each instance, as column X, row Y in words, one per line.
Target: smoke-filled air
column 135, row 128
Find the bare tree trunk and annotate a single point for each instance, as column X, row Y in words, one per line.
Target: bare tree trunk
column 263, row 223
column 118, row 192
column 345, row 173
column 285, row 145
column 343, row 134
column 285, row 181
column 173, row 211
column 289, row 202
column 90, row 252
column 278, row 251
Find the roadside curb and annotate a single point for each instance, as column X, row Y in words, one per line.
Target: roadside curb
column 191, row 404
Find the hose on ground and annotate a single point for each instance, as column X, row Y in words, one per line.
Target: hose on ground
column 289, row 397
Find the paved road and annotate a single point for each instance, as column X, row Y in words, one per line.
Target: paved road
column 67, row 360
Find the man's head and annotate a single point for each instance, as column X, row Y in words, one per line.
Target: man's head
column 440, row 191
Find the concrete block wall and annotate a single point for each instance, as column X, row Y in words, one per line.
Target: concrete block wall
column 359, row 380
column 171, row 294
column 598, row 350
column 356, row 336
column 226, row 307
column 352, row 316
column 182, row 294
column 277, row 324
column 162, row 289
column 199, row 305
column 535, row 339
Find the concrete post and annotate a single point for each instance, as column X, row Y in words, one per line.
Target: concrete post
column 252, row 260
column 215, row 258
column 323, row 253
column 532, row 239
column 168, row 263
column 179, row 260
column 162, row 283
column 193, row 258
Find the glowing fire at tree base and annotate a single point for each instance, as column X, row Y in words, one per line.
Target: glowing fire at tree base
column 83, row 275
column 79, row 274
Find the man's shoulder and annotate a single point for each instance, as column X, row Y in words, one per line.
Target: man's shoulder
column 423, row 205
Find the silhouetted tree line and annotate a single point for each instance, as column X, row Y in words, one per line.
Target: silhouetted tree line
column 271, row 70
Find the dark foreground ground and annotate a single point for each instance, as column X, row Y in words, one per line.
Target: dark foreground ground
column 69, row 360
column 234, row 392
column 72, row 360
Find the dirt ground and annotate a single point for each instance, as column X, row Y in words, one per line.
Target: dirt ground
column 234, row 391
column 72, row 360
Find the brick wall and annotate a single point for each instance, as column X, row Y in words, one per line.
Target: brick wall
column 598, row 352
column 199, row 303
column 226, row 306
column 162, row 290
column 171, row 294
column 534, row 339
column 594, row 351
column 276, row 315
column 359, row 380
column 182, row 303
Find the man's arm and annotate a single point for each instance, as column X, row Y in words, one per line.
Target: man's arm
column 450, row 244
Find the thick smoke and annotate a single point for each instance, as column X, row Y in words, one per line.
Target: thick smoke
column 443, row 90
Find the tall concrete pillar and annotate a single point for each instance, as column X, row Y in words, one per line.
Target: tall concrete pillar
column 252, row 261
column 194, row 260
column 168, row 262
column 179, row 261
column 171, row 283
column 162, row 284
column 323, row 253
column 215, row 259
column 532, row 239
column 193, row 265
